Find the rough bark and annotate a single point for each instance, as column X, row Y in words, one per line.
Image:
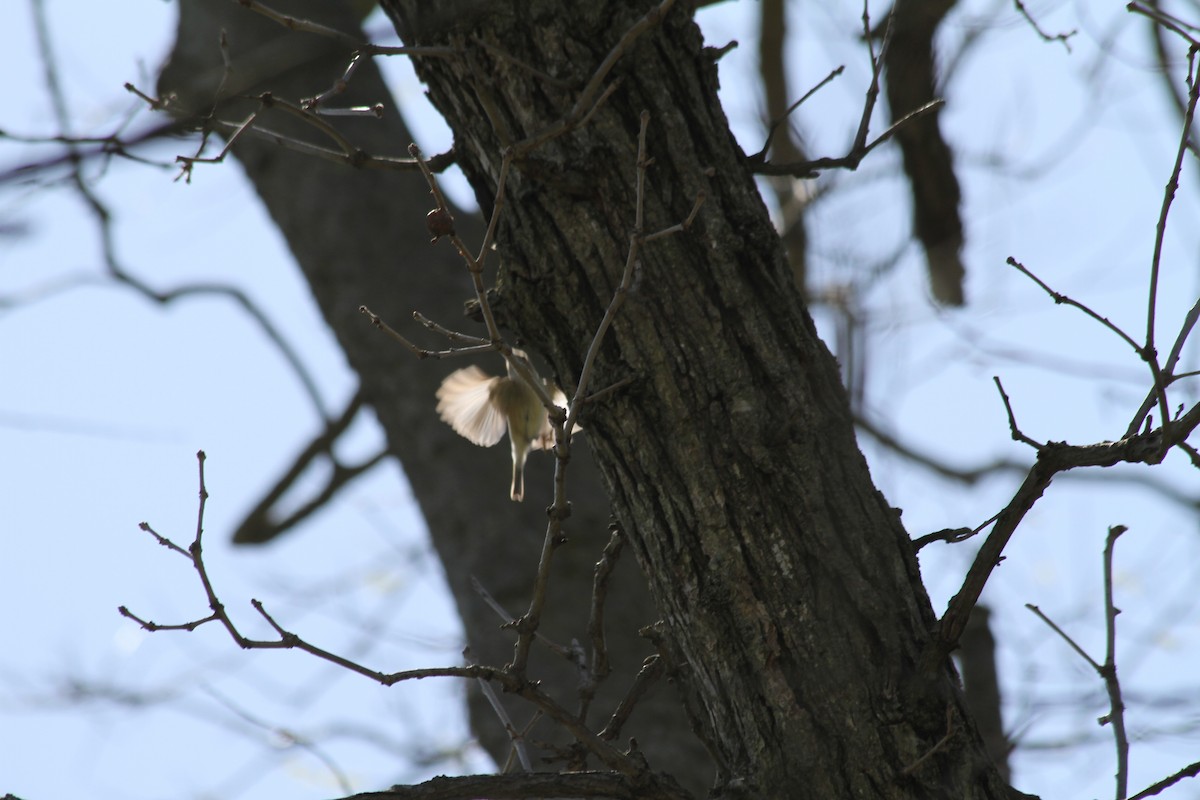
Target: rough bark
column 791, row 596
column 360, row 237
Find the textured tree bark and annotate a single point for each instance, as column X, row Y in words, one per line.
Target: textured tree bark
column 360, row 237
column 792, row 600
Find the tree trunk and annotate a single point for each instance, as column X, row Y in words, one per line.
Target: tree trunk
column 791, row 596
column 360, row 237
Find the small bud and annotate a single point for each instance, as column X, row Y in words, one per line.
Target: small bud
column 440, row 223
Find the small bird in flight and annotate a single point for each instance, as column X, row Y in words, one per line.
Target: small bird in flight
column 480, row 408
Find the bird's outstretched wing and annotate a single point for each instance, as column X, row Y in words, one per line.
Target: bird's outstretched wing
column 464, row 402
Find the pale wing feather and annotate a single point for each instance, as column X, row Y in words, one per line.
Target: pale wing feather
column 465, row 403
column 545, row 438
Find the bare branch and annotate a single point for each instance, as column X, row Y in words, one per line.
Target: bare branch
column 392, row 332
column 599, row 668
column 516, row 737
column 1168, row 370
column 287, row 640
column 1108, row 670
column 1149, row 353
column 531, row 785
column 937, row 746
column 1053, row 458
column 761, row 155
column 859, row 148
column 509, row 620
column 1168, row 21
column 1112, row 685
column 972, row 475
column 1066, row 637
column 1017, row 435
column 1046, row 37
column 350, row 42
column 652, row 670
column 358, row 159
column 854, row 157
column 1190, row 771
column 1146, row 352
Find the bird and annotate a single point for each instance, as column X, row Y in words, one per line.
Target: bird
column 481, row 408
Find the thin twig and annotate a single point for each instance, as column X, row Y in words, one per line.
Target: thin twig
column 651, row 672
column 516, row 737
column 864, row 124
column 526, row 626
column 510, row 58
column 1060, row 298
column 854, row 157
column 938, row 745
column 103, row 220
column 510, row 620
column 1149, row 353
column 454, row 336
column 1015, row 431
column 1169, row 376
column 1046, row 37
column 1168, row 21
column 358, row 159
column 346, row 153
column 782, row 118
column 474, row 263
column 560, row 508
column 1066, row 637
column 1108, row 670
column 289, row 737
column 1112, row 685
column 599, row 668
column 287, row 640
column 1190, row 771
column 636, row 239
column 612, row 388
column 972, row 475
column 1053, row 458
column 316, row 104
column 236, row 132
column 347, row 147
column 952, row 535
column 350, row 42
column 860, row 148
column 300, row 24
column 631, row 260
column 378, row 322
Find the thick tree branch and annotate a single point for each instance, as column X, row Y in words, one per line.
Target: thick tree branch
column 531, row 785
column 928, row 160
column 1052, row 458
